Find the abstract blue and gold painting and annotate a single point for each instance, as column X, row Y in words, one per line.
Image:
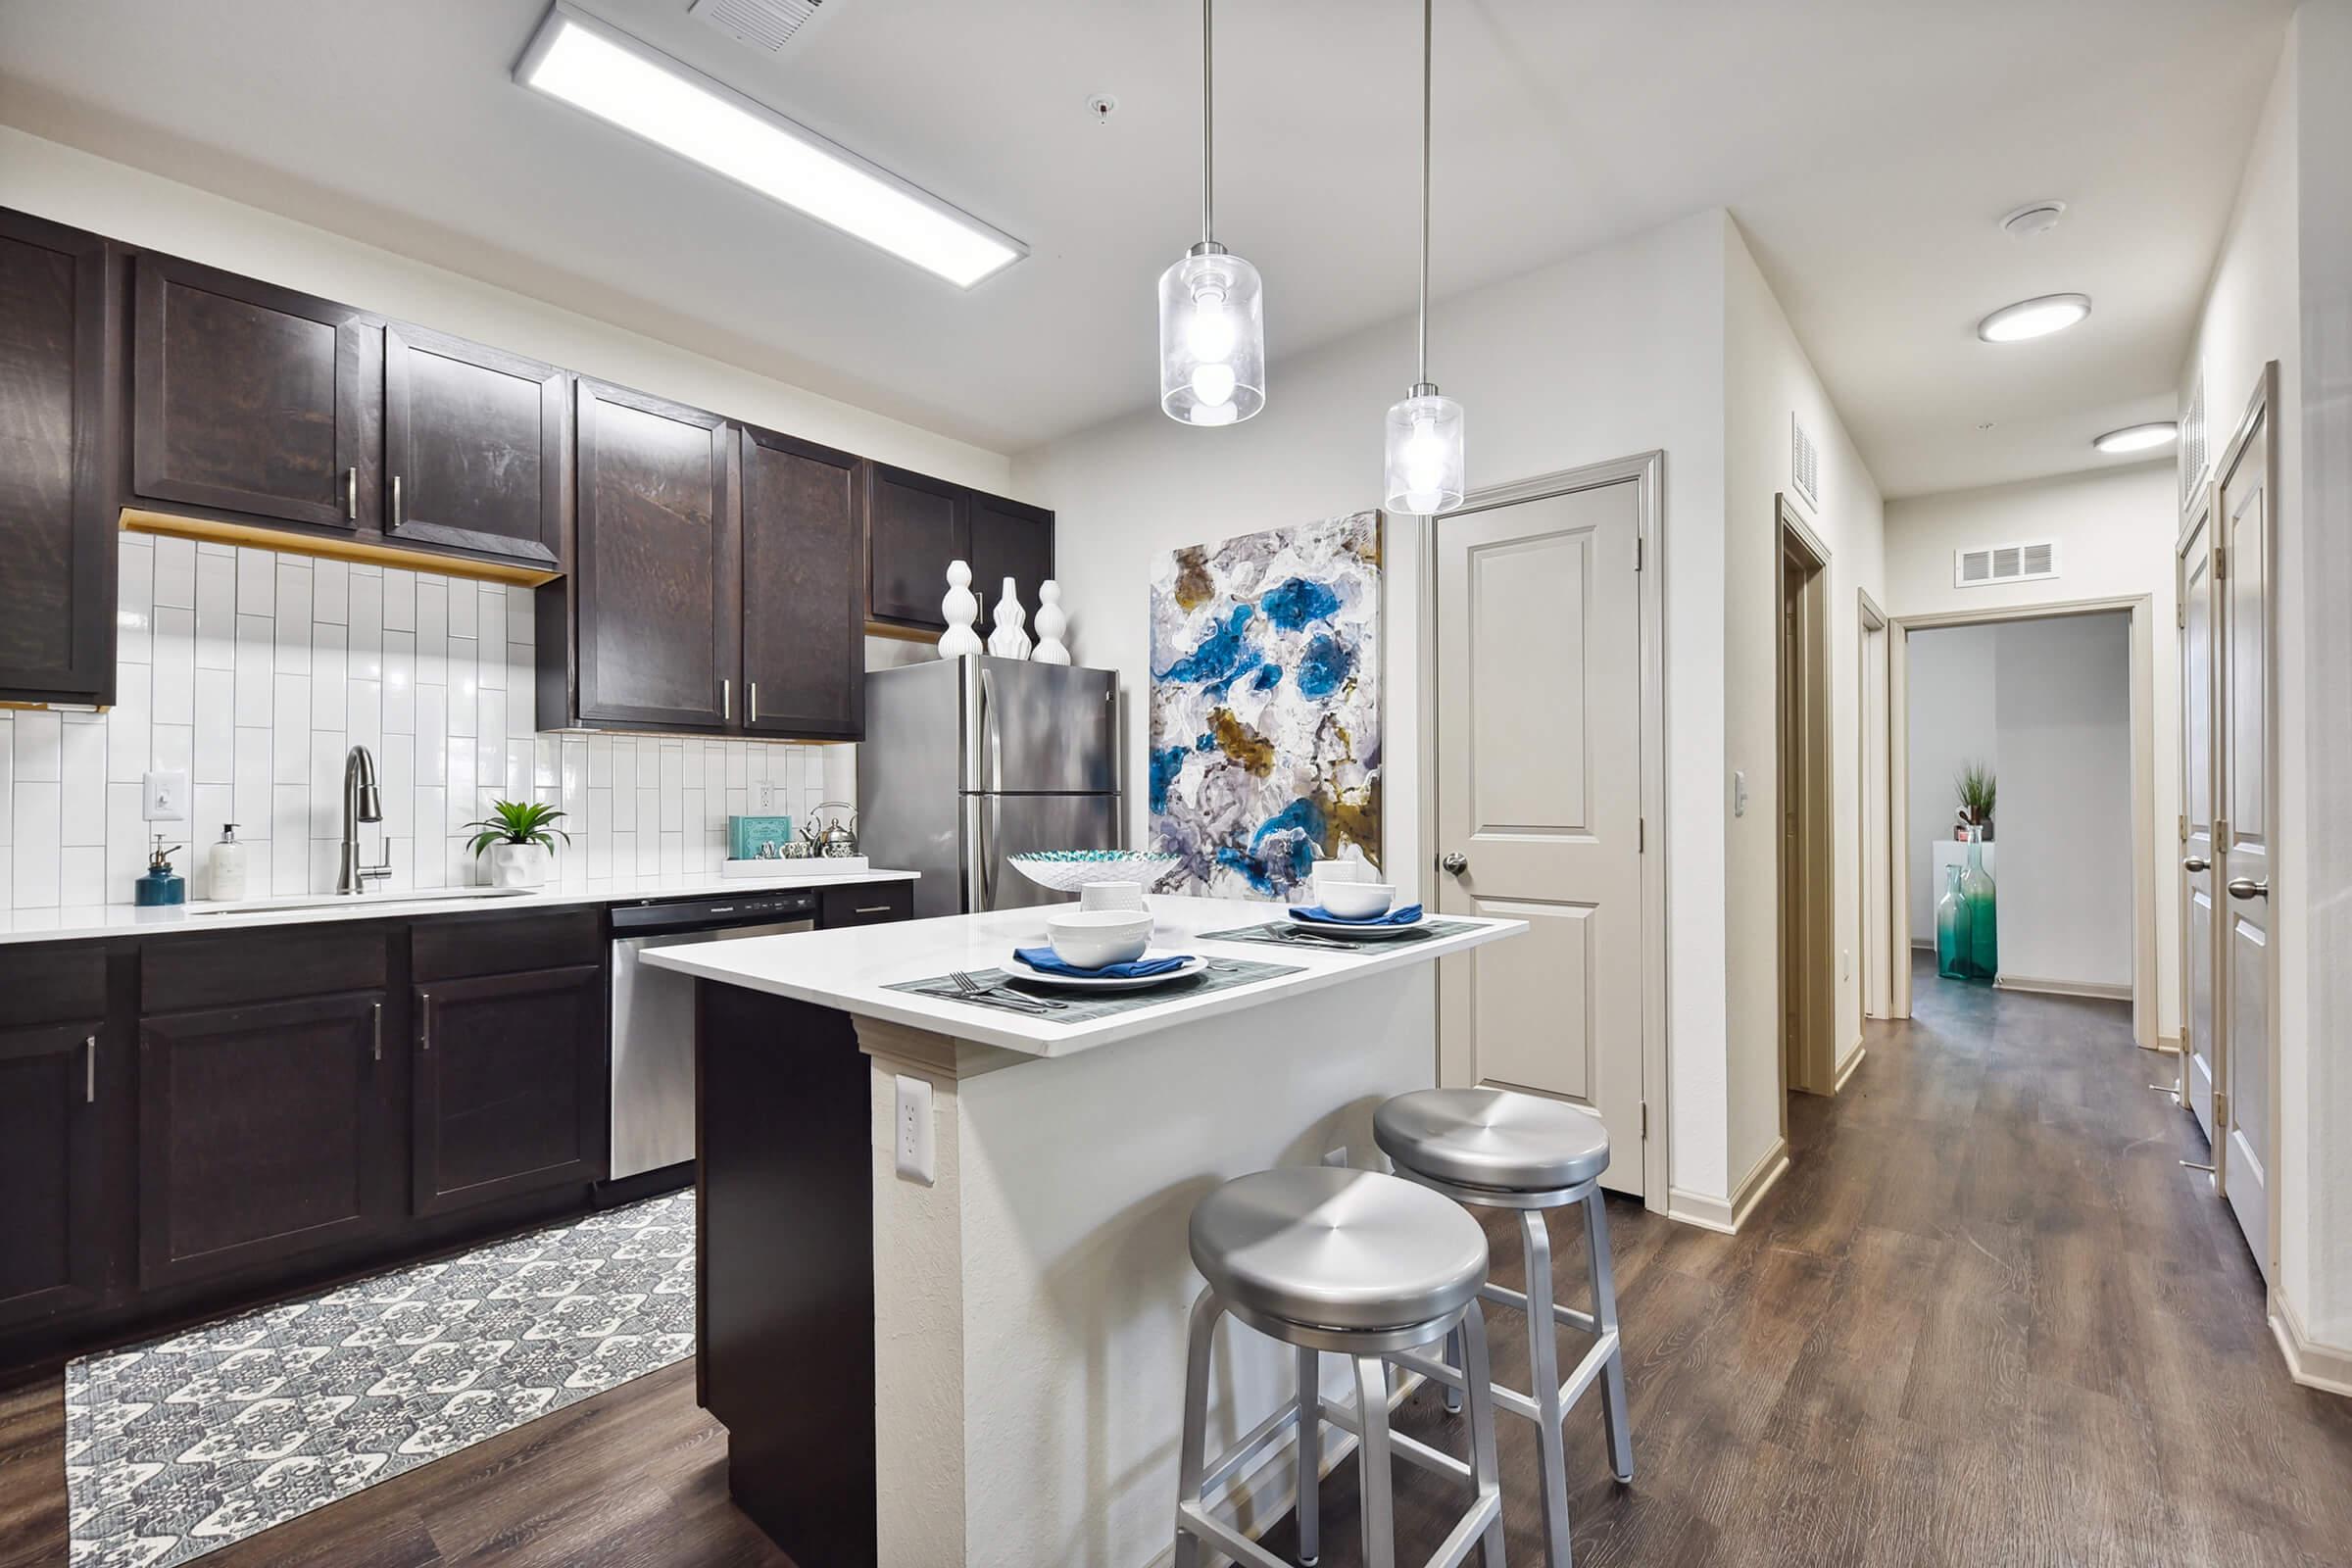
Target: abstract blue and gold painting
column 1265, row 705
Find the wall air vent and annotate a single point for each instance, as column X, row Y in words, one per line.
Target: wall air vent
column 1998, row 564
column 2192, row 444
column 765, row 24
column 1804, row 462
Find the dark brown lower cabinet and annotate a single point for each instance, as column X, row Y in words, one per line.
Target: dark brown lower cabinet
column 53, row 1235
column 509, row 1085
column 265, row 1132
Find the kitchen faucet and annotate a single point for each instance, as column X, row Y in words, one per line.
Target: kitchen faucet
column 362, row 802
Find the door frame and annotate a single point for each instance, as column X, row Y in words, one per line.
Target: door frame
column 1812, row 947
column 1871, row 621
column 2142, row 681
column 2200, row 510
column 1645, row 470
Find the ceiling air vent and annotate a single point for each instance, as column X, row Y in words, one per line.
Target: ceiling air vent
column 1996, row 564
column 1804, row 462
column 766, row 24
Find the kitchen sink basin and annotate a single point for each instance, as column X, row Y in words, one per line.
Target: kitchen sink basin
column 354, row 901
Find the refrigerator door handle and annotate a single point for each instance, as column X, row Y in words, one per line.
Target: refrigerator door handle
column 992, row 743
column 979, row 881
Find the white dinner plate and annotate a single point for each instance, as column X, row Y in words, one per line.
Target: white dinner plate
column 1016, row 969
column 1352, row 928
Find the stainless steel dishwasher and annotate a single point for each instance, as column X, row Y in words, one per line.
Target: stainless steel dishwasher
column 653, row 1015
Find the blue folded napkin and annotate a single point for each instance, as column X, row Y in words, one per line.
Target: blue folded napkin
column 1045, row 961
column 1410, row 914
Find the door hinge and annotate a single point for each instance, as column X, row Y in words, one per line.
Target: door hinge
column 1641, row 835
column 1646, row 1121
column 2181, row 616
column 2221, row 562
column 1636, row 552
column 2184, row 827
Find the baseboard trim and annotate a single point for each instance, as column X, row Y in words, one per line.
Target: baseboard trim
column 2167, row 1044
column 2324, row 1367
column 1851, row 1066
column 1727, row 1215
column 2096, row 990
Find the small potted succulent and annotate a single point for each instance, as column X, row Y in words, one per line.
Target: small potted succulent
column 518, row 836
column 1975, row 787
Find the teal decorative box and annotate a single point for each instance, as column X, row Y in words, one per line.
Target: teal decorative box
column 746, row 834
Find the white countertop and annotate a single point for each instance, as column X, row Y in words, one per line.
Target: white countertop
column 125, row 919
column 850, row 969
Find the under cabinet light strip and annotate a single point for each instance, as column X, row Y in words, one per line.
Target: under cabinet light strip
column 593, row 65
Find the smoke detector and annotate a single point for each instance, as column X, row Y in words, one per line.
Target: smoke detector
column 765, row 24
column 2032, row 219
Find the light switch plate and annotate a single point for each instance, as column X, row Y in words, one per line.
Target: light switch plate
column 163, row 796
column 918, row 1145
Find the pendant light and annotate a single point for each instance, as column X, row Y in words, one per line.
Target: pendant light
column 1212, row 330
column 1424, row 448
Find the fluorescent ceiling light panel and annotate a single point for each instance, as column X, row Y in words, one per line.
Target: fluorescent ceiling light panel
column 592, row 66
column 2031, row 318
column 2139, row 437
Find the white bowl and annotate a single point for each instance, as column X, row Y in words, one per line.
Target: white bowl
column 1092, row 938
column 1358, row 901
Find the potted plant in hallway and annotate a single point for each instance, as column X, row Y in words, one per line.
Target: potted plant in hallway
column 520, row 836
column 1975, row 787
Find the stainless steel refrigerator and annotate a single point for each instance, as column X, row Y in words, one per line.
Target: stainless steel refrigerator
column 966, row 762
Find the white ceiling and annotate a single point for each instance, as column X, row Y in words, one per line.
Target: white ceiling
column 1867, row 147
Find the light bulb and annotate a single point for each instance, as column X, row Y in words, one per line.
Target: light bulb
column 1424, row 459
column 1213, row 382
column 1211, row 334
column 1212, row 414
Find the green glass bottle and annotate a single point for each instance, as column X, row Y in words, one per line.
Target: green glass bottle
column 1984, row 924
column 1952, row 928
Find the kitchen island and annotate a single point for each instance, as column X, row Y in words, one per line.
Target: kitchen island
column 986, row 1366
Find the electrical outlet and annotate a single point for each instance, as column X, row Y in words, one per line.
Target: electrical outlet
column 163, row 796
column 1738, row 792
column 918, row 1148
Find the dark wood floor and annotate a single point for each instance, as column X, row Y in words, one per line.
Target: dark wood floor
column 1984, row 1319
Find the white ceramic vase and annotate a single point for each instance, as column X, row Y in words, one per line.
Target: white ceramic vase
column 1009, row 641
column 959, row 610
column 517, row 865
column 1051, row 622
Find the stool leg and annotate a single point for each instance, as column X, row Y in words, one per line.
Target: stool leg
column 1192, row 1456
column 1543, row 1362
column 1310, row 1456
column 1485, row 1476
column 1452, row 1355
column 1613, row 1412
column 1372, row 1459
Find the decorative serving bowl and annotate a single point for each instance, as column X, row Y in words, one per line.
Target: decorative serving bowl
column 1068, row 870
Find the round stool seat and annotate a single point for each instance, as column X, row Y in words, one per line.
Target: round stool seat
column 1337, row 1249
column 1492, row 1137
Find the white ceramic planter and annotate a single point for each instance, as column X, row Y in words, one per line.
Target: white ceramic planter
column 517, row 865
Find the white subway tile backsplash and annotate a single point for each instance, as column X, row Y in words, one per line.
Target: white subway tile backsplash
column 256, row 671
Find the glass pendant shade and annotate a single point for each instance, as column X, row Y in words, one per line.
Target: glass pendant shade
column 1212, row 339
column 1425, row 467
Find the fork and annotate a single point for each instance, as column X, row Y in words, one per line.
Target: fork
column 971, row 987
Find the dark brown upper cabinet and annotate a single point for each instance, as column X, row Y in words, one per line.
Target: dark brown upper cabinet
column 509, row 1086
column 803, row 556
column 657, row 613
column 473, row 448
column 915, row 526
column 1009, row 539
column 253, row 401
column 60, row 340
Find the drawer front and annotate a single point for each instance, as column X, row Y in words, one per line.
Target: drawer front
column 49, row 982
column 457, row 946
column 234, row 966
column 867, row 903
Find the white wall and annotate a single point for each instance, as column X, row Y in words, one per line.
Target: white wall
column 1598, row 356
column 1767, row 380
column 2115, row 529
column 1950, row 711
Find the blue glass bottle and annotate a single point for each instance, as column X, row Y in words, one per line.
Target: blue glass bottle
column 1952, row 928
column 1984, row 924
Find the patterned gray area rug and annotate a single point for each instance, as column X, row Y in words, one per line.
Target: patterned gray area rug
column 179, row 1447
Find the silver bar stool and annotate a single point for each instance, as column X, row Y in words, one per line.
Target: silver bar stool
column 1492, row 1149
column 1352, row 1263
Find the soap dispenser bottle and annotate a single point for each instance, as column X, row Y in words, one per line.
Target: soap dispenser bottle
column 161, row 885
column 229, row 865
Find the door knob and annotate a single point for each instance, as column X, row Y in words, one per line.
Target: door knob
column 1456, row 862
column 2193, row 864
column 2245, row 887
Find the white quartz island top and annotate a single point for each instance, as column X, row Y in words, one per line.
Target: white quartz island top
column 850, row 969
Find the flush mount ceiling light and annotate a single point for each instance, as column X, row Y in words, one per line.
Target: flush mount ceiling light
column 2035, row 317
column 1424, row 468
column 595, row 66
column 1212, row 323
column 2139, row 437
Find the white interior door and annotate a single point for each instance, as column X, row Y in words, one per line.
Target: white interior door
column 1539, row 796
column 2244, row 1154
column 2200, row 882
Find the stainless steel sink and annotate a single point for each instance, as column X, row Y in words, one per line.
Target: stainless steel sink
column 356, row 901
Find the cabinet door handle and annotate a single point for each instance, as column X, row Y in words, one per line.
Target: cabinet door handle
column 871, row 908
column 424, row 1020
column 751, row 702
column 396, row 516
column 350, row 494
column 377, row 1049
column 726, row 698
column 89, row 1070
